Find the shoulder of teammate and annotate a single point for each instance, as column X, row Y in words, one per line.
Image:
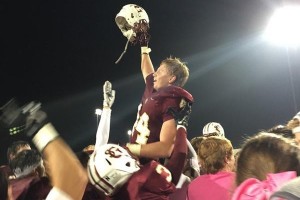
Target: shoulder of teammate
column 177, row 92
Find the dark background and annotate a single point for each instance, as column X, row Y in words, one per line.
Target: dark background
column 60, row 52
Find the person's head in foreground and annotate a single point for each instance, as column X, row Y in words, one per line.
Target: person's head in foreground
column 266, row 161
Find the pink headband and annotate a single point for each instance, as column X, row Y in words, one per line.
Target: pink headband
column 254, row 189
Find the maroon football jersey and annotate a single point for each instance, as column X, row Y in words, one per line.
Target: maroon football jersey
column 152, row 112
column 30, row 187
column 152, row 181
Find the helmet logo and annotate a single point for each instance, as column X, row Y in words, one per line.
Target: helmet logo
column 113, row 152
column 139, row 9
column 217, row 128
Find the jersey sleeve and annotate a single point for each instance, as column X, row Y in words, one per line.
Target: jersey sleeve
column 102, row 134
column 176, row 162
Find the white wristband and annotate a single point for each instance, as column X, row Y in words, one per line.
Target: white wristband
column 296, row 130
column 145, row 50
column 44, row 136
column 134, row 148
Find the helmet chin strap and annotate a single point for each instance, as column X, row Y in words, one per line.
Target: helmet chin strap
column 125, row 49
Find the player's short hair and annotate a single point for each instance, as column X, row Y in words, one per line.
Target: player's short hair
column 26, row 162
column 15, row 147
column 178, row 69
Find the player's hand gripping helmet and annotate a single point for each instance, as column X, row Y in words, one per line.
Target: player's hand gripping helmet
column 133, row 22
column 110, row 167
column 213, row 127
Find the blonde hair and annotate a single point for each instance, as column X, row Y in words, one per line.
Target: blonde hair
column 177, row 68
column 212, row 153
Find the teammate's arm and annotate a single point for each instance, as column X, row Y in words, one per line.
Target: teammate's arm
column 164, row 147
column 103, row 130
column 177, row 160
column 146, row 63
column 67, row 175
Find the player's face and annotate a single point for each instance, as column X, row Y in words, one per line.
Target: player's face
column 162, row 77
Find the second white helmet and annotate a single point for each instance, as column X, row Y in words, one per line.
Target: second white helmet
column 110, row 167
column 213, row 127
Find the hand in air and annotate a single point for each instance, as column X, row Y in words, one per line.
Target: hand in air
column 108, row 95
column 26, row 120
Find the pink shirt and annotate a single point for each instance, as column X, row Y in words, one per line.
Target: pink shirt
column 212, row 186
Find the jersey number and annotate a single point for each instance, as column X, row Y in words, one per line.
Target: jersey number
column 164, row 172
column 141, row 126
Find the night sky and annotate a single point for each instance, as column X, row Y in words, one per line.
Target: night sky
column 60, row 52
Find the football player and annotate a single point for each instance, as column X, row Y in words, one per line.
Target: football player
column 154, row 131
column 115, row 171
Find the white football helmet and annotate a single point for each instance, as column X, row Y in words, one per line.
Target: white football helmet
column 127, row 17
column 110, row 167
column 213, row 127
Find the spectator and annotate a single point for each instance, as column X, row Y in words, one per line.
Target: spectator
column 265, row 162
column 217, row 161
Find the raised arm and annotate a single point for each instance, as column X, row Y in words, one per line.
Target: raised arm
column 146, row 63
column 102, row 135
column 67, row 175
column 164, row 147
column 143, row 37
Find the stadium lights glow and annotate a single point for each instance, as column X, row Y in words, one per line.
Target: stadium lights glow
column 129, row 132
column 283, row 28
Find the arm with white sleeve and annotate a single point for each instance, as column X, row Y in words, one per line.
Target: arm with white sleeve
column 102, row 135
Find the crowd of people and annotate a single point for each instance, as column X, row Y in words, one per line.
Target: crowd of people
column 159, row 162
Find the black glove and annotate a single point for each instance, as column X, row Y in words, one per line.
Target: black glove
column 182, row 116
column 26, row 120
column 141, row 30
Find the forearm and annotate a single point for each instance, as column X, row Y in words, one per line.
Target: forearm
column 156, row 150
column 146, row 64
column 176, row 162
column 66, row 172
column 103, row 128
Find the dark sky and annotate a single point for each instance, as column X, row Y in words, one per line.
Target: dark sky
column 60, row 52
